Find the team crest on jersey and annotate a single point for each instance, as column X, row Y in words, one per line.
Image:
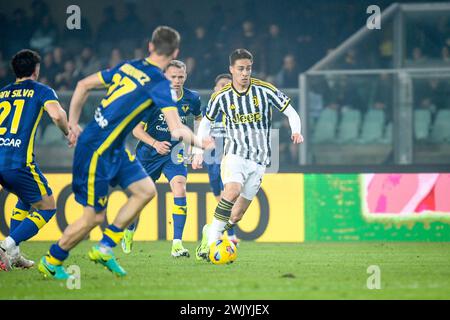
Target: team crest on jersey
column 185, row 108
column 103, row 200
column 233, row 107
column 256, row 101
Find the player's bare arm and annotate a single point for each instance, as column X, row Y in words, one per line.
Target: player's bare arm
column 162, row 147
column 58, row 116
column 79, row 98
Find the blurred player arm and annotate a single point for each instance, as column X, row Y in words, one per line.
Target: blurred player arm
column 139, row 132
column 181, row 132
column 197, row 160
column 295, row 124
column 79, row 98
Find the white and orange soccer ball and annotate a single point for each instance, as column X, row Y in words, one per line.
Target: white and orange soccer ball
column 222, row 251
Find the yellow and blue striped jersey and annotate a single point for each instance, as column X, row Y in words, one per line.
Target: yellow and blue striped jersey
column 21, row 107
column 134, row 88
column 155, row 122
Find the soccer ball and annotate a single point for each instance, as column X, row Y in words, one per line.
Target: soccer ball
column 222, row 252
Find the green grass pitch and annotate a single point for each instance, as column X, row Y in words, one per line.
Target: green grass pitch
column 262, row 271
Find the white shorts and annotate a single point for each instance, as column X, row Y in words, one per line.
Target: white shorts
column 246, row 172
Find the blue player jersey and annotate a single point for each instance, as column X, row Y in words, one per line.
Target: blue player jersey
column 21, row 107
column 134, row 88
column 156, row 126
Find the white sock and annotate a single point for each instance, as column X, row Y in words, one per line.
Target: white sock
column 215, row 230
column 105, row 249
column 176, row 241
column 11, row 248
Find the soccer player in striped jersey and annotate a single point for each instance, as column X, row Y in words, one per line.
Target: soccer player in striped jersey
column 22, row 105
column 101, row 160
column 213, row 165
column 159, row 153
column 247, row 104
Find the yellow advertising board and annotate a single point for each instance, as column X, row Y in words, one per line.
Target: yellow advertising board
column 276, row 214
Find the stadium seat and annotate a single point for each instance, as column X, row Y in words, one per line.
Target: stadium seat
column 52, row 136
column 441, row 128
column 373, row 126
column 349, row 125
column 325, row 129
column 422, row 122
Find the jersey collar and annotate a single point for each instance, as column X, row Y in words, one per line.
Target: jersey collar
column 241, row 93
column 182, row 94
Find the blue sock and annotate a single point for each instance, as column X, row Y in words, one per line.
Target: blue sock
column 31, row 225
column 111, row 236
column 179, row 217
column 132, row 226
column 19, row 214
column 56, row 255
column 231, row 232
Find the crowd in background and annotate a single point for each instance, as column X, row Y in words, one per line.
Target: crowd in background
column 287, row 42
column 295, row 36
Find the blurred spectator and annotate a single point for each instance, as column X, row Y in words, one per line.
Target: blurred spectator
column 351, row 60
column 45, row 35
column 248, row 39
column 39, row 10
column 382, row 95
column 287, row 77
column 275, row 48
column 58, row 59
column 431, row 94
column 386, row 49
column 18, row 32
column 130, row 31
column 417, row 56
column 115, row 58
column 200, row 49
column 87, row 63
column 138, row 53
column 48, row 69
column 108, row 30
column 67, row 79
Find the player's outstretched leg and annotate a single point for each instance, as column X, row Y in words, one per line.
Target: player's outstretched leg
column 25, row 226
column 142, row 191
column 51, row 265
column 127, row 240
column 103, row 252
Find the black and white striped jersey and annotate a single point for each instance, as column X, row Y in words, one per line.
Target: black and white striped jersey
column 248, row 118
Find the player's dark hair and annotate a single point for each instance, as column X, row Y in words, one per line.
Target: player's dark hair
column 166, row 40
column 24, row 63
column 240, row 54
column 223, row 76
column 177, row 64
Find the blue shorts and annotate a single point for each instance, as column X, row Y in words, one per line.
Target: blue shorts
column 27, row 183
column 215, row 181
column 154, row 165
column 93, row 174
